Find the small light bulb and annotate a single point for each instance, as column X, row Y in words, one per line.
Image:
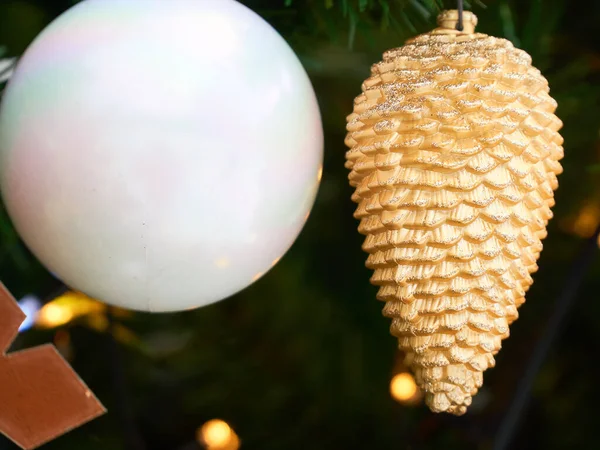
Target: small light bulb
column 216, row 434
column 65, row 308
column 403, row 387
column 587, row 221
column 53, row 315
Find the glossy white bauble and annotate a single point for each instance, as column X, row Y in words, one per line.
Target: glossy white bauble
column 159, row 155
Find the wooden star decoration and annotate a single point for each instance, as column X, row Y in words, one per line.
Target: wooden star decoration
column 41, row 397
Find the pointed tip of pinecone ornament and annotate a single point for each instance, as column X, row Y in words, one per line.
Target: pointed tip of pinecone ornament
column 454, row 154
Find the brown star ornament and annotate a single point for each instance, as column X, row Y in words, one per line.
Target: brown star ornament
column 41, row 397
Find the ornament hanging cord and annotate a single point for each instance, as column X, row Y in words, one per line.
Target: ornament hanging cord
column 460, row 8
column 512, row 418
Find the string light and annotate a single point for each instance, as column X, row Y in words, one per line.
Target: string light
column 587, row 220
column 403, row 388
column 53, row 315
column 72, row 305
column 65, row 308
column 218, row 435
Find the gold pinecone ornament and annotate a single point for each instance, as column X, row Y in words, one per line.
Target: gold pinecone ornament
column 454, row 151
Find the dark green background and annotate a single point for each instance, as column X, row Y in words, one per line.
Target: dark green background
column 303, row 358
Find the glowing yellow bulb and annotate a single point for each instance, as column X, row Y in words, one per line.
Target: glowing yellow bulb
column 53, row 315
column 403, row 387
column 587, row 221
column 67, row 307
column 216, row 434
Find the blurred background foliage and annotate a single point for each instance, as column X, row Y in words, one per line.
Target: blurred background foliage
column 303, row 358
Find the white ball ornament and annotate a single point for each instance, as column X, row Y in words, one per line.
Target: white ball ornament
column 159, row 155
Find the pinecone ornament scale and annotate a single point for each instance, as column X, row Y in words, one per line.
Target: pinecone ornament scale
column 453, row 153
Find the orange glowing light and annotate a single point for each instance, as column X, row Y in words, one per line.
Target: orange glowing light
column 586, row 222
column 54, row 315
column 65, row 308
column 216, row 434
column 403, row 387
